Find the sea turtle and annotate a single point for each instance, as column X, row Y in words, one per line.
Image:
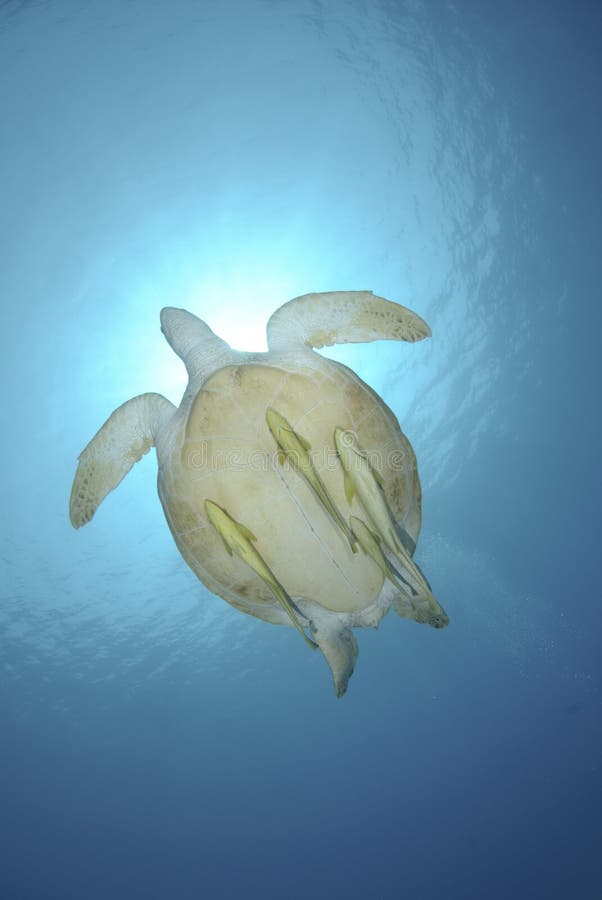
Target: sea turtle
column 286, row 481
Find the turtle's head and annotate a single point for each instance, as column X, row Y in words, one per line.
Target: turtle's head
column 192, row 339
column 182, row 330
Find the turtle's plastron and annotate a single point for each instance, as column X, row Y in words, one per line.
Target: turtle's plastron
column 286, row 481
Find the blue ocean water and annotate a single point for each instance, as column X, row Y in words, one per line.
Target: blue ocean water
column 225, row 157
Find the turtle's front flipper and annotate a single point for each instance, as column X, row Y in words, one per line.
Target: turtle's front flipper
column 342, row 317
column 125, row 437
column 340, row 649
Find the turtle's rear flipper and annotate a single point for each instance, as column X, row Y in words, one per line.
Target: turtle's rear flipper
column 340, row 649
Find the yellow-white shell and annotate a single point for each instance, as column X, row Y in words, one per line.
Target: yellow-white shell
column 226, row 453
column 218, row 446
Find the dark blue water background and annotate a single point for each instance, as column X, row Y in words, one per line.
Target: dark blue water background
column 224, row 157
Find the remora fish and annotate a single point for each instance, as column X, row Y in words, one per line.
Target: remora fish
column 408, row 602
column 294, row 448
column 370, row 544
column 239, row 540
column 363, row 480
